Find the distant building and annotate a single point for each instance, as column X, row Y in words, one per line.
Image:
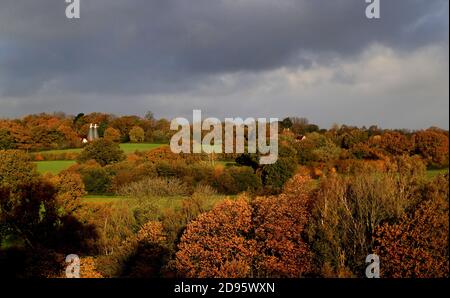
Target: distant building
column 93, row 133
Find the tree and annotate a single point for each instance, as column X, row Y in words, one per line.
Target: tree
column 316, row 148
column 149, row 116
column 417, row 246
column 286, row 123
column 394, row 143
column 263, row 238
column 275, row 175
column 70, row 189
column 216, row 245
column 102, row 151
column 112, row 134
column 137, row 134
column 16, row 169
column 279, row 224
column 6, row 140
column 348, row 209
column 29, row 212
column 432, row 145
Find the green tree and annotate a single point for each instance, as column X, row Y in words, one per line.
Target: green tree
column 102, row 151
column 286, row 123
column 275, row 175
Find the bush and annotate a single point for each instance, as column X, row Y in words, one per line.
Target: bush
column 154, row 187
column 102, row 151
column 234, row 180
column 275, row 175
column 96, row 180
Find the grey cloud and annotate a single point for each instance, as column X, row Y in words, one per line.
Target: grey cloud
column 158, row 48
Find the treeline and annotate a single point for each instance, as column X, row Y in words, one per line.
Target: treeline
column 61, row 131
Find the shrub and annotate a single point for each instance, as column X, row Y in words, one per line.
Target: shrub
column 275, row 175
column 234, row 180
column 102, row 151
column 96, row 180
column 154, row 187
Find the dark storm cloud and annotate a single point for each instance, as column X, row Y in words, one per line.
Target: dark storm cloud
column 138, row 47
column 135, row 46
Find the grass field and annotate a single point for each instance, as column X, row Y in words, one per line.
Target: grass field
column 56, row 166
column 126, row 147
column 53, row 167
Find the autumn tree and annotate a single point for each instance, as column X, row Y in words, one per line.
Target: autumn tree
column 112, row 134
column 393, row 143
column 102, row 151
column 316, row 148
column 137, row 134
column 263, row 238
column 432, row 145
column 16, row 168
column 70, row 189
column 417, row 246
column 279, row 226
column 216, row 245
column 150, row 252
column 6, row 140
column 348, row 209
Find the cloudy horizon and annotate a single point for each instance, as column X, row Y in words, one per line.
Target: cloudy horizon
column 319, row 59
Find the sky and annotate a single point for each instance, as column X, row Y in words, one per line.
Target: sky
column 319, row 59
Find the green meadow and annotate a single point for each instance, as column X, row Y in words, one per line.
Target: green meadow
column 54, row 167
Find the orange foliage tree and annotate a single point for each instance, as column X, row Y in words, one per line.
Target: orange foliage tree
column 262, row 238
column 417, row 246
column 432, row 145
